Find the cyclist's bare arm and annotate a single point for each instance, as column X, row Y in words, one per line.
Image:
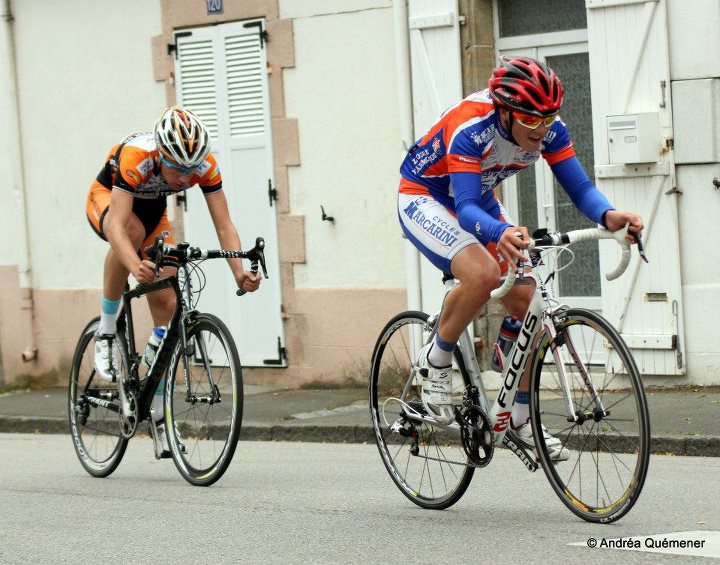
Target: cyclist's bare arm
column 115, row 228
column 229, row 239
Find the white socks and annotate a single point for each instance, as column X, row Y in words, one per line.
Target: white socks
column 439, row 358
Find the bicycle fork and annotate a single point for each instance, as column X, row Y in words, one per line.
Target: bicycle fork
column 188, row 350
column 556, row 341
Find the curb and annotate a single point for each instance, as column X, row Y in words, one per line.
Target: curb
column 695, row 446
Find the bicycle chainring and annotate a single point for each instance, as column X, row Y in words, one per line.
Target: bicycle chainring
column 476, row 435
column 129, row 422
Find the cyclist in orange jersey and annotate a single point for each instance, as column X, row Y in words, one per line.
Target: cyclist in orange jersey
column 126, row 206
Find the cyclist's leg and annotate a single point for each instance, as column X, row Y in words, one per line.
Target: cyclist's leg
column 478, row 273
column 161, row 303
column 107, row 356
column 97, row 209
column 436, row 233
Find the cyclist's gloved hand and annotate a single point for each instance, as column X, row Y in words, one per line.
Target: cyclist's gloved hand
column 511, row 246
column 144, row 271
column 249, row 281
column 616, row 219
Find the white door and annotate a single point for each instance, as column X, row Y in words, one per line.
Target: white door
column 221, row 74
column 436, row 85
column 634, row 166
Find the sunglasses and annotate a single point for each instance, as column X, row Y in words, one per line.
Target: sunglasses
column 533, row 122
column 183, row 170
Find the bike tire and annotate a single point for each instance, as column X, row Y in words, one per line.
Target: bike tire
column 438, row 475
column 610, row 452
column 209, row 430
column 94, row 429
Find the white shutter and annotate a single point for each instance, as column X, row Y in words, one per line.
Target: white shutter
column 197, row 81
column 436, row 85
column 629, row 76
column 243, row 67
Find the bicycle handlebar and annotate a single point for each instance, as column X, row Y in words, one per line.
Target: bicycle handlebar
column 183, row 253
column 573, row 237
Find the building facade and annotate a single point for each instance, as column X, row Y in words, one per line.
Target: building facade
column 311, row 105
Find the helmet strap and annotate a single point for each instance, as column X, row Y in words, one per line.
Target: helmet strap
column 508, row 130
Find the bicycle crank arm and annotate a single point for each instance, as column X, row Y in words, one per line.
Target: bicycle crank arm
column 112, row 406
column 527, row 459
column 416, row 419
column 157, row 448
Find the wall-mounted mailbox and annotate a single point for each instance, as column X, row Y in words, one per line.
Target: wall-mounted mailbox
column 634, row 138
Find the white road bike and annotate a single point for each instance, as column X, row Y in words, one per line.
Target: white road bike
column 585, row 390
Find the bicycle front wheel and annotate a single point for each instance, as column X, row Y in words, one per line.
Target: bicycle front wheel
column 600, row 416
column 94, row 424
column 204, row 401
column 427, row 463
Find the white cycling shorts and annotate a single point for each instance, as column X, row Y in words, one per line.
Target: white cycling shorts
column 436, row 232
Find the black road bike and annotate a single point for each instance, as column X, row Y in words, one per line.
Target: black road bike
column 203, row 394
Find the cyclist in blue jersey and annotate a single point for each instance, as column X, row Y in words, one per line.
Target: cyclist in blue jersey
column 448, row 210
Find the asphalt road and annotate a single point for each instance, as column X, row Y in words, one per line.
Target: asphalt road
column 322, row 503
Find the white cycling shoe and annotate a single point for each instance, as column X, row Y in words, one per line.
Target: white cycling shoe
column 555, row 448
column 106, row 351
column 436, row 389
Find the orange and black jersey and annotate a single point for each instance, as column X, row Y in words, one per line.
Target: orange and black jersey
column 135, row 169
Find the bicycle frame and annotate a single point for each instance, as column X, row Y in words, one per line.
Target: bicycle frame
column 176, row 328
column 538, row 320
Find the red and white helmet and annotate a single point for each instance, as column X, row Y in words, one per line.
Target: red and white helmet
column 526, row 85
column 182, row 138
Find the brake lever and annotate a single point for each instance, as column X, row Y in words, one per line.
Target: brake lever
column 520, row 265
column 159, row 253
column 641, row 249
column 260, row 245
column 257, row 257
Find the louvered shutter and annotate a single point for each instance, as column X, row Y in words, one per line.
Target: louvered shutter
column 243, row 64
column 197, row 81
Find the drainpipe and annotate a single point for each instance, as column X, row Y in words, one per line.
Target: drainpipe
column 18, row 183
column 407, row 135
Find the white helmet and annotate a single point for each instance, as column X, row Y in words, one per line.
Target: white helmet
column 181, row 137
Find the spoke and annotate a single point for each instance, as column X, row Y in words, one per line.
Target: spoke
column 628, row 395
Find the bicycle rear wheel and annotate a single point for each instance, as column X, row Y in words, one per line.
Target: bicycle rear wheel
column 207, row 413
column 427, row 463
column 94, row 426
column 609, row 444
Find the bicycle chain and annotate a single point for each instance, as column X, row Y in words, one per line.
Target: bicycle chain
column 450, row 462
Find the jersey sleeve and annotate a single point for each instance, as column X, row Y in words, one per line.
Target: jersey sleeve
column 588, row 199
column 209, row 177
column 557, row 144
column 135, row 167
column 464, row 155
column 471, row 205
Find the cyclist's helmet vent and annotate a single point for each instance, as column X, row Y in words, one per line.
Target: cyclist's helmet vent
column 526, row 85
column 181, row 137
